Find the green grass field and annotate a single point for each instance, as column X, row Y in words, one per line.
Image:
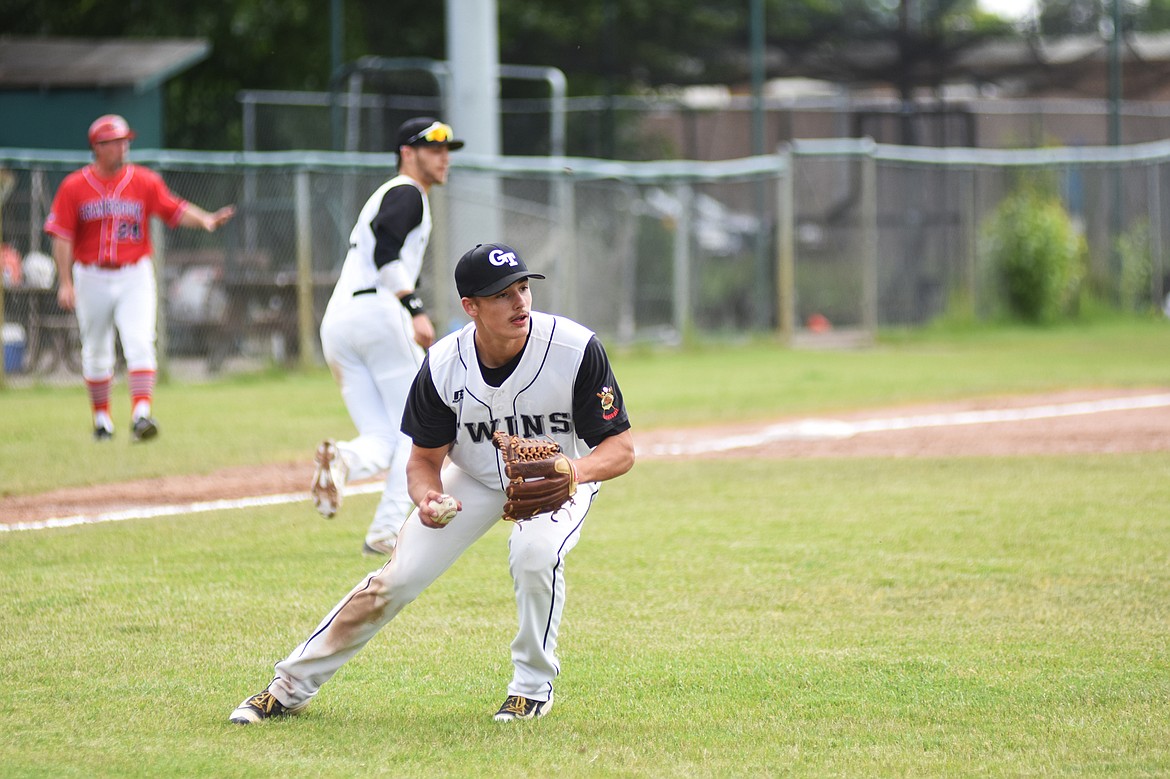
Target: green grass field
column 877, row 617
column 266, row 418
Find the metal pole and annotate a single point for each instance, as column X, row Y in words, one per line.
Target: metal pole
column 869, row 229
column 681, row 256
column 786, row 246
column 250, row 191
column 1154, row 179
column 473, row 60
column 757, row 59
column 336, row 38
column 353, row 112
column 305, row 316
column 1115, row 139
column 7, row 185
column 763, row 283
column 608, row 132
column 971, row 242
column 336, row 34
column 1115, row 75
column 162, row 312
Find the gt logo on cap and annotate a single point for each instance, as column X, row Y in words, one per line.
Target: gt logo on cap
column 499, row 257
column 489, row 268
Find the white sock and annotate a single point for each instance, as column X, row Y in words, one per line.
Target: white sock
column 141, row 409
column 102, row 419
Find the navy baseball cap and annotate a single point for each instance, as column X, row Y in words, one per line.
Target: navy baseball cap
column 490, row 268
column 427, row 131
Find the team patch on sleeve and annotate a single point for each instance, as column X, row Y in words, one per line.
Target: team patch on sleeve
column 608, row 409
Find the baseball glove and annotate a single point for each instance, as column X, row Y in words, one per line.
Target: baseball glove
column 541, row 478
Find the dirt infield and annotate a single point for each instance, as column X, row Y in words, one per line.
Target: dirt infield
column 963, row 429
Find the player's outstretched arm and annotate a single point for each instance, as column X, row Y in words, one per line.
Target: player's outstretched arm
column 612, row 457
column 195, row 216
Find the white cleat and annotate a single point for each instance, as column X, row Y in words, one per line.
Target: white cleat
column 328, row 479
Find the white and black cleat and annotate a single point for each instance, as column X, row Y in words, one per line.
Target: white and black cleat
column 261, row 706
column 519, row 707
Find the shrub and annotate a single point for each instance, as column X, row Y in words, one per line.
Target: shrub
column 1133, row 248
column 1037, row 255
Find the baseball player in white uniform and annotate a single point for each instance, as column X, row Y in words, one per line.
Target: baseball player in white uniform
column 375, row 329
column 510, row 369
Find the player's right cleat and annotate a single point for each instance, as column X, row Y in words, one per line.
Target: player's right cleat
column 328, row 479
column 261, row 706
column 519, row 707
column 102, row 433
column 143, row 429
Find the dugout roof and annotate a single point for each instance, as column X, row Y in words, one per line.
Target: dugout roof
column 57, row 63
column 54, row 87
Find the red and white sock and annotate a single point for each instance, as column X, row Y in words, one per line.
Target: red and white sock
column 99, row 401
column 141, row 392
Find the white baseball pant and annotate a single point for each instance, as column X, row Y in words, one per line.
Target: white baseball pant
column 368, row 342
column 536, row 558
column 123, row 298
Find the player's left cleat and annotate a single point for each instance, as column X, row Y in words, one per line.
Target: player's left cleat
column 261, row 706
column 377, row 549
column 102, row 433
column 328, row 479
column 519, row 707
column 143, row 429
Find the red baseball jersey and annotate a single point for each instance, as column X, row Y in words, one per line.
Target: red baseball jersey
column 108, row 220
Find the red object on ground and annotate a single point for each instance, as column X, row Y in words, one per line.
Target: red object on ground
column 818, row 323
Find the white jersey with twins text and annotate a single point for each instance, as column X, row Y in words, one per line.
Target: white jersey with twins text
column 535, row 401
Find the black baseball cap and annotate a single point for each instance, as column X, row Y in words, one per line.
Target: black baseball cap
column 427, row 131
column 490, row 268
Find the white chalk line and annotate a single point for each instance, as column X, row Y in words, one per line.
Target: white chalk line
column 832, row 429
column 148, row 512
column 800, row 430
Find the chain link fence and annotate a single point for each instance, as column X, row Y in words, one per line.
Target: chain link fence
column 895, row 235
column 848, row 235
column 708, row 123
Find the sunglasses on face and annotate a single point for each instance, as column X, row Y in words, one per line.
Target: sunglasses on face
column 436, row 133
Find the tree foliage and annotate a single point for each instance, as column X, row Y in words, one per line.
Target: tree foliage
column 1092, row 17
column 603, row 46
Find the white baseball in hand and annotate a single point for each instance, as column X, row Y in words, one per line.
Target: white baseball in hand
column 445, row 509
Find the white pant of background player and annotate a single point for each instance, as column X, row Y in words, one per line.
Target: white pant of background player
column 368, row 342
column 124, row 299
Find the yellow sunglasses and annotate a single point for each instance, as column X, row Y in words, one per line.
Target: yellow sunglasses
column 436, row 133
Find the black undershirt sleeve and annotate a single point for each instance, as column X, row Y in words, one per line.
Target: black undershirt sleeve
column 400, row 212
column 595, row 417
column 426, row 419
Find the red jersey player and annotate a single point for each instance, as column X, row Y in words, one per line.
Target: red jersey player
column 100, row 228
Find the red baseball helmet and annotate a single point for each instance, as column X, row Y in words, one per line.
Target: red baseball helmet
column 110, row 127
